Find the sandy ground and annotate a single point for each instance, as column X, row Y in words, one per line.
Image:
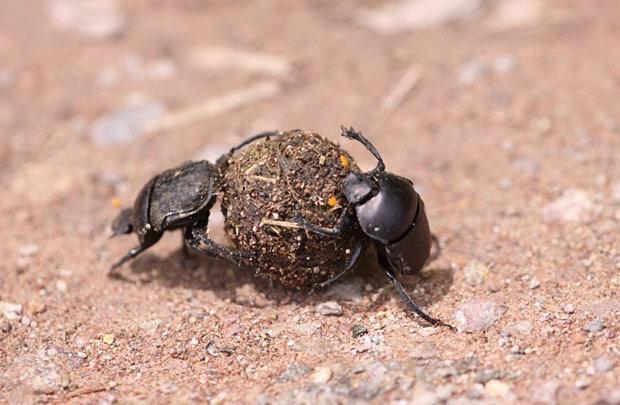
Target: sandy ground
column 505, row 115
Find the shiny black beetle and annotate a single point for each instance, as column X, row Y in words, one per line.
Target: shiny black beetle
column 391, row 213
column 178, row 198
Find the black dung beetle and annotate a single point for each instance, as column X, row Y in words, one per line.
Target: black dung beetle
column 178, row 198
column 391, row 213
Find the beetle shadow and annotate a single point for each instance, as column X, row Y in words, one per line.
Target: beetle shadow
column 198, row 272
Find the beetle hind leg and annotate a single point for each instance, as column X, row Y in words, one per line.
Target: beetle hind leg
column 389, row 271
column 193, row 239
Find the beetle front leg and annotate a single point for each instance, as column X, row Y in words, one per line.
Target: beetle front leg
column 336, row 231
column 351, row 260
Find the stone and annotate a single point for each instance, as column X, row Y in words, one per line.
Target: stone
column 125, row 124
column 151, row 325
column 514, row 14
column 92, row 19
column 321, row 375
column 478, row 315
column 496, row 388
column 409, row 15
column 329, row 308
column 573, row 206
column 522, row 328
column 475, row 273
column 594, row 326
column 545, row 393
column 472, row 71
column 10, row 310
column 603, row 365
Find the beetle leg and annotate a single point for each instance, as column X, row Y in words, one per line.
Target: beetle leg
column 335, row 231
column 437, row 251
column 213, row 248
column 389, row 271
column 351, row 260
column 224, row 158
column 130, row 255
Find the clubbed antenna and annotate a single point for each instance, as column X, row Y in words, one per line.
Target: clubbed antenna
column 351, row 133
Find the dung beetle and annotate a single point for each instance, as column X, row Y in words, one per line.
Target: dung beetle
column 391, row 214
column 178, row 198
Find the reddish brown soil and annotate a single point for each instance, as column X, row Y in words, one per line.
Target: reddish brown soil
column 488, row 158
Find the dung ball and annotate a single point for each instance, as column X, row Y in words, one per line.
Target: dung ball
column 270, row 184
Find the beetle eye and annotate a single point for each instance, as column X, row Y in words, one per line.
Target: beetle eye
column 357, row 187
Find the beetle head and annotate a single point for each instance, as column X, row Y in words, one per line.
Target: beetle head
column 123, row 224
column 360, row 187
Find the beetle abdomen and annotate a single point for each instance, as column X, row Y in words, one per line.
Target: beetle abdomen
column 411, row 252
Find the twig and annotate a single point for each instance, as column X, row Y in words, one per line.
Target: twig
column 283, row 224
column 86, row 390
column 402, row 88
column 215, row 106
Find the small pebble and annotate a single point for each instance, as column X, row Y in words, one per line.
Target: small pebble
column 523, row 328
column 35, row 307
column 603, row 365
column 359, row 330
column 5, row 325
column 534, row 284
column 496, row 388
column 486, row 375
column 108, row 339
column 329, row 308
column 475, row 273
column 574, row 205
column 478, row 315
column 29, row 250
column 582, row 384
column 569, row 309
column 321, row 375
column 125, row 124
column 93, row 19
column 545, row 393
column 594, row 326
column 10, row 311
column 61, row 286
column 150, row 326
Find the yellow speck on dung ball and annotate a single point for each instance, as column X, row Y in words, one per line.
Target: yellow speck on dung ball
column 344, row 161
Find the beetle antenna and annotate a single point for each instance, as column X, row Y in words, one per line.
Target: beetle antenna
column 351, row 133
